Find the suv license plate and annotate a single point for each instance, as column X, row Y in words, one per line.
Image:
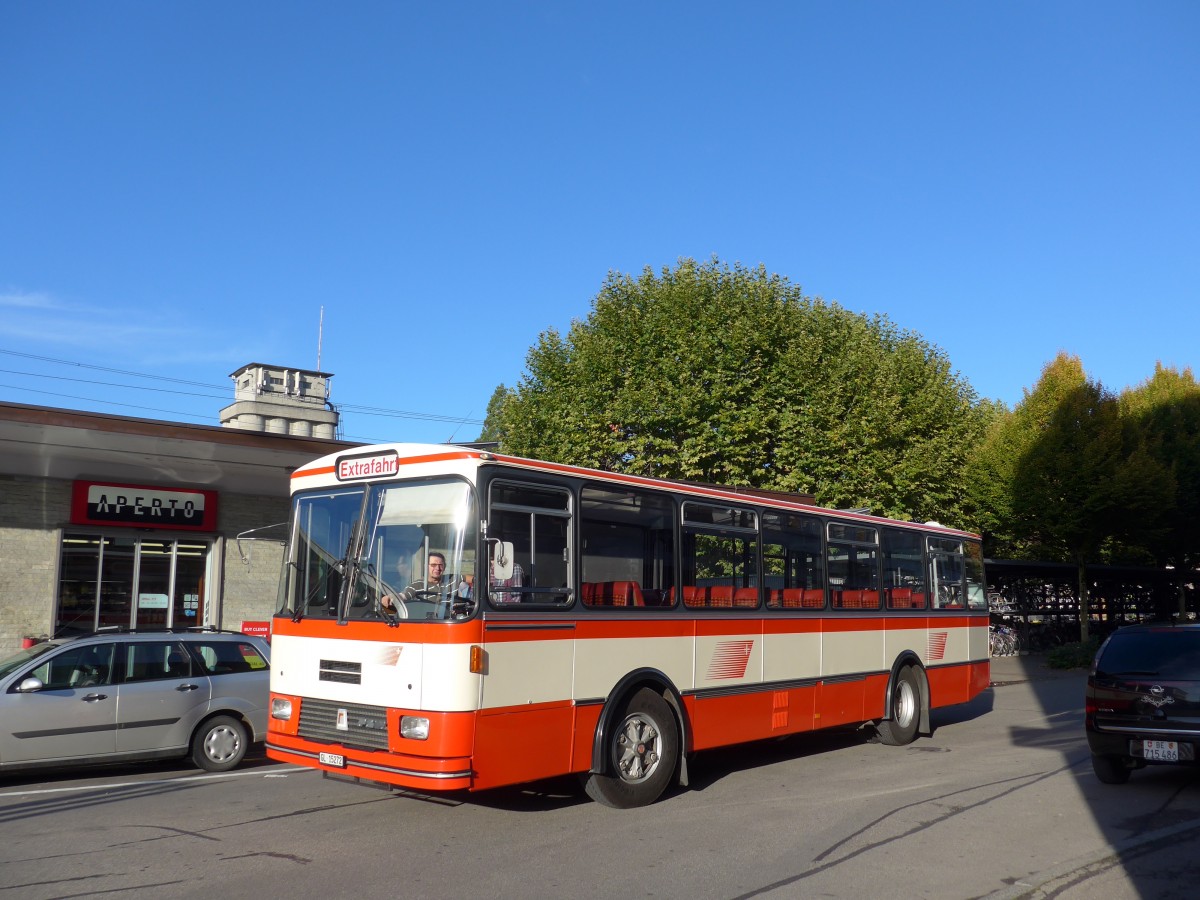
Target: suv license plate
column 1161, row 751
column 336, row 759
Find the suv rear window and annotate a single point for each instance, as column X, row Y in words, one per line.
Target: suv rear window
column 1161, row 653
column 224, row 657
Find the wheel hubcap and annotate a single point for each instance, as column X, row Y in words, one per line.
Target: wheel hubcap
column 906, row 703
column 222, row 744
column 636, row 749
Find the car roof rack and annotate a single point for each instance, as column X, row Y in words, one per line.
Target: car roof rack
column 178, row 629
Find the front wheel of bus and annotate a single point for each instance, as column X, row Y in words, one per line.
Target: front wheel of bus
column 901, row 728
column 640, row 755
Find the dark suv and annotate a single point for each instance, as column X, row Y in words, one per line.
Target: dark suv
column 123, row 696
column 1143, row 700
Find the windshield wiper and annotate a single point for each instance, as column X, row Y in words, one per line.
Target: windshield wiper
column 322, row 585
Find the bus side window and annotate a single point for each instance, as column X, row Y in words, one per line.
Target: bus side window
column 536, row 520
column 628, row 548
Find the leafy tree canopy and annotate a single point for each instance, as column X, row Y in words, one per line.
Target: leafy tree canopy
column 725, row 374
column 1163, row 418
column 1000, row 512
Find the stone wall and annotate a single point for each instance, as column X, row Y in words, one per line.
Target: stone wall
column 31, row 512
column 252, row 573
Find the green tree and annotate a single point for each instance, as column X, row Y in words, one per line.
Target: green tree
column 991, row 465
column 1164, row 419
column 995, row 460
column 1069, row 481
column 491, row 423
column 731, row 375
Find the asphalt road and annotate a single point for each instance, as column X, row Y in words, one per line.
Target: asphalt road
column 1000, row 802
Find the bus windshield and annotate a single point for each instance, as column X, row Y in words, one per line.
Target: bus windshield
column 387, row 552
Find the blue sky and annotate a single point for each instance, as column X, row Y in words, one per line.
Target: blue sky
column 184, row 186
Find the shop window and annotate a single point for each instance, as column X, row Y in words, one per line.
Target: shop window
column 130, row 582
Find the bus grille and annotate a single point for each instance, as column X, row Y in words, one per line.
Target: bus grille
column 366, row 726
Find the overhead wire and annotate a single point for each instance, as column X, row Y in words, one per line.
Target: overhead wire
column 222, row 391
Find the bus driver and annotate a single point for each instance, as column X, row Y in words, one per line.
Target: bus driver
column 421, row 589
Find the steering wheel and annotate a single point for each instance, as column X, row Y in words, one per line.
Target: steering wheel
column 396, row 609
column 429, row 595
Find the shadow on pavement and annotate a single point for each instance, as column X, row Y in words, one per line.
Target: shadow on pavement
column 1150, row 824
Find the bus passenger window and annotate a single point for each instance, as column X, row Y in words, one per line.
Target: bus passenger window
column 793, row 562
column 628, row 553
column 536, row 521
column 946, row 572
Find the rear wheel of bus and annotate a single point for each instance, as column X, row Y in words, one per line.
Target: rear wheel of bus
column 901, row 728
column 640, row 754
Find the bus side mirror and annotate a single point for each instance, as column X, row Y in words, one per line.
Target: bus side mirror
column 502, row 560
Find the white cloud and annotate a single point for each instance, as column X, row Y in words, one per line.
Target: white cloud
column 38, row 322
column 13, row 299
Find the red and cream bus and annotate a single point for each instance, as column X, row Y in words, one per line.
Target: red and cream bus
column 455, row 619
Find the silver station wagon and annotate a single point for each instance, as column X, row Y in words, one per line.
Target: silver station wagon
column 124, row 696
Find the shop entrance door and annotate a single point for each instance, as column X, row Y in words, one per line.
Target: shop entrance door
column 131, row 582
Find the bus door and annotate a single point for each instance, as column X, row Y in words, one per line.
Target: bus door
column 526, row 711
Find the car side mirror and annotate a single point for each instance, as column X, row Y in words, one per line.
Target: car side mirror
column 502, row 560
column 30, row 685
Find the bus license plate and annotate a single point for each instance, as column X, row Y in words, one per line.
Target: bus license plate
column 336, row 759
column 1161, row 751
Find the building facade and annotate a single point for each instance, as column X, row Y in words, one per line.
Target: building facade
column 116, row 521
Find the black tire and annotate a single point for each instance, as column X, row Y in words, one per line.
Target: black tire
column 901, row 728
column 219, row 744
column 641, row 754
column 1111, row 769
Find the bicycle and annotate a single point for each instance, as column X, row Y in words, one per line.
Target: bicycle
column 1004, row 640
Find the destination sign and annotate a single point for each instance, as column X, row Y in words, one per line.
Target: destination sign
column 350, row 468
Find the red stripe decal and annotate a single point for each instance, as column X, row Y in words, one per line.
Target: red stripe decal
column 936, row 646
column 729, row 660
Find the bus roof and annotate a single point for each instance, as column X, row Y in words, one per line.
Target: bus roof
column 382, row 461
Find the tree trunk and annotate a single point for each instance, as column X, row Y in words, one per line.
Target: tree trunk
column 1084, row 612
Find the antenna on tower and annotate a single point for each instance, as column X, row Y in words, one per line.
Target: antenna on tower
column 320, row 335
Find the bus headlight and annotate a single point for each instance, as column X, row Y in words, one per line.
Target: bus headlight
column 281, row 708
column 415, row 727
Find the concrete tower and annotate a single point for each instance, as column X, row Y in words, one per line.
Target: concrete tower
column 281, row 400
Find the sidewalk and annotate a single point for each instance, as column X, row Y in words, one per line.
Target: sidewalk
column 1027, row 667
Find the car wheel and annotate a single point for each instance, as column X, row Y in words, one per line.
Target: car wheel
column 219, row 744
column 1111, row 769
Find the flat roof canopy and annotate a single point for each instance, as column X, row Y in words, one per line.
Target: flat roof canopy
column 43, row 442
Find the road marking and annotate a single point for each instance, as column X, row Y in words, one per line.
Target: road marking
column 126, row 784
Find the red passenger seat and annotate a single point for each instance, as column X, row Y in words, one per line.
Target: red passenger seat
column 788, row 598
column 625, row 593
column 613, row 593
column 746, row 598
column 720, row 595
column 798, row 598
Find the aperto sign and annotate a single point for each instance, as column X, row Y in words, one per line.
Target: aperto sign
column 141, row 506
